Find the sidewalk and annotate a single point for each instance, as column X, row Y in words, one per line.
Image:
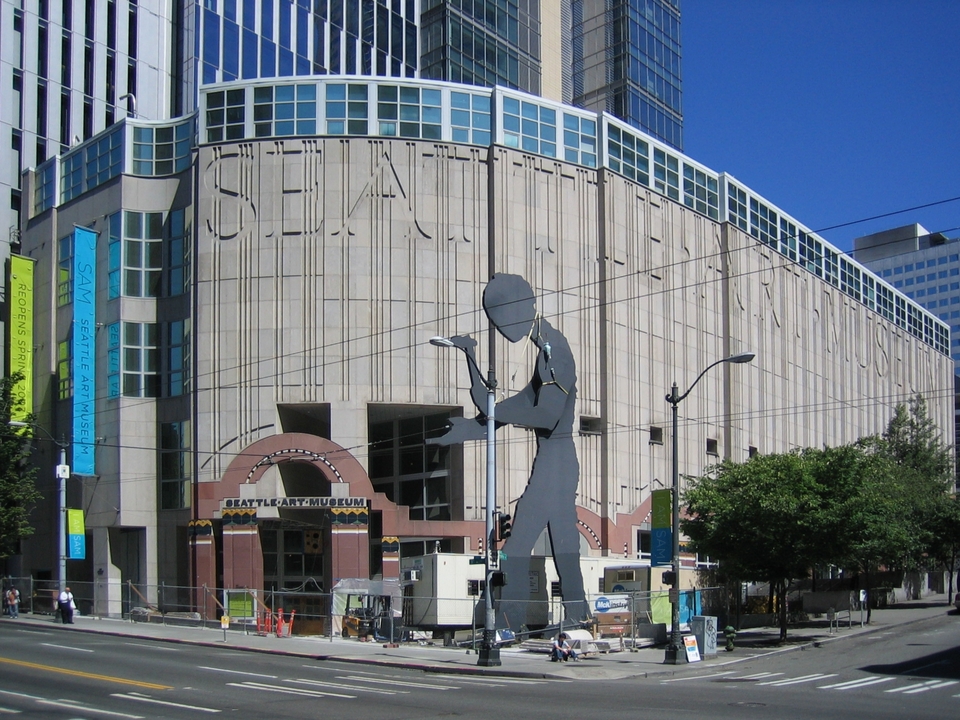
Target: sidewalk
column 515, row 662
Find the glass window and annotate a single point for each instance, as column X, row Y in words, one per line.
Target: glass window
column 628, row 155
column 666, row 177
column 65, row 270
column 530, row 127
column 133, row 360
column 174, row 465
column 700, row 193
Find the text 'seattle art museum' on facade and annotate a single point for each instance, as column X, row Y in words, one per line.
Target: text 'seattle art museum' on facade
column 232, row 316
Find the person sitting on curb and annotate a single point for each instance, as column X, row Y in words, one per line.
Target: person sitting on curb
column 562, row 652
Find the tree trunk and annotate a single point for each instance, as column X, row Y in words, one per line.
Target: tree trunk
column 782, row 608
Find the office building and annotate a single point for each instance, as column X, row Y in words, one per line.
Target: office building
column 71, row 68
column 925, row 266
column 264, row 299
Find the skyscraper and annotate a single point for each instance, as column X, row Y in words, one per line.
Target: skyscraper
column 626, row 61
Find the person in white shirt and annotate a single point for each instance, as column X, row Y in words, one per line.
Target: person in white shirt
column 66, row 606
column 13, row 603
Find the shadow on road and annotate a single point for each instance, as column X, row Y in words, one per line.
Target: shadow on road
column 944, row 664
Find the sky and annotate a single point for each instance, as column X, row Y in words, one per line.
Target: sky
column 835, row 111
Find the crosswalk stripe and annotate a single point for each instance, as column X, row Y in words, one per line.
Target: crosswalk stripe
column 797, row 681
column 375, row 691
column 401, row 683
column 757, row 676
column 854, row 684
column 289, row 691
column 933, row 685
column 906, row 688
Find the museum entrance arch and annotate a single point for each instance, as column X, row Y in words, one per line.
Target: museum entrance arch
column 314, row 483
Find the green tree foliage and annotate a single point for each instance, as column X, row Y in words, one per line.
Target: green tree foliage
column 944, row 547
column 759, row 519
column 18, row 492
column 877, row 503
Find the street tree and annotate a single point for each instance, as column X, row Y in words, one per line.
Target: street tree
column 943, row 546
column 869, row 511
column 759, row 520
column 18, row 492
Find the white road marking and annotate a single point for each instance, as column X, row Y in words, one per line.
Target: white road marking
column 9, row 711
column 854, row 684
column 796, row 681
column 401, row 683
column 932, row 685
column 67, row 647
column 153, row 647
column 236, row 672
column 923, row 687
column 698, row 677
column 87, row 708
column 140, row 697
column 375, row 691
column 68, row 704
column 757, row 676
column 288, row 691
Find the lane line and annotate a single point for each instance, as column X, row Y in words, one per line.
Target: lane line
column 236, row 672
column 854, row 684
column 153, row 647
column 375, row 691
column 89, row 676
column 289, row 691
column 401, row 683
column 66, row 703
column 87, row 709
column 66, row 647
column 139, row 697
column 757, row 676
column 10, row 711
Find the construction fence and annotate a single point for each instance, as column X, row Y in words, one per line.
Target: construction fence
column 625, row 615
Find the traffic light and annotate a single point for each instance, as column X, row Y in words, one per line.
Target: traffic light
column 504, row 526
column 498, row 579
column 669, row 578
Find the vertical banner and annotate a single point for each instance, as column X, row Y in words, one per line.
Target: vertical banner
column 76, row 535
column 21, row 334
column 661, row 528
column 84, row 348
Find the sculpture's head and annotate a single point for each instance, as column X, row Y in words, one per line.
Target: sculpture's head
column 511, row 306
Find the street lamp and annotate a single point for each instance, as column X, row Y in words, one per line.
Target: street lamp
column 489, row 650
column 63, row 474
column 673, row 655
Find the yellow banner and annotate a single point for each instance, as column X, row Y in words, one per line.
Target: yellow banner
column 75, row 522
column 21, row 334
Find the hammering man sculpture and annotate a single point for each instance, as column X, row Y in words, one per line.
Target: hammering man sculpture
column 545, row 405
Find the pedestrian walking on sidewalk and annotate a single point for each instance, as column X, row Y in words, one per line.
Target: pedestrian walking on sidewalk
column 13, row 602
column 66, row 606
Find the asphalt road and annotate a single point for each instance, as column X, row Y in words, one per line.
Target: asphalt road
column 909, row 672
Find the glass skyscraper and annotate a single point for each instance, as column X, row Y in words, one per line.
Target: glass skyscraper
column 626, row 61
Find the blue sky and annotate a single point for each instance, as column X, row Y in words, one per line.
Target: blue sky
column 833, row 110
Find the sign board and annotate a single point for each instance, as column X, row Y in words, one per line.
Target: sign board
column 690, row 645
column 661, row 533
column 225, row 622
column 304, row 503
column 76, row 535
column 612, row 603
